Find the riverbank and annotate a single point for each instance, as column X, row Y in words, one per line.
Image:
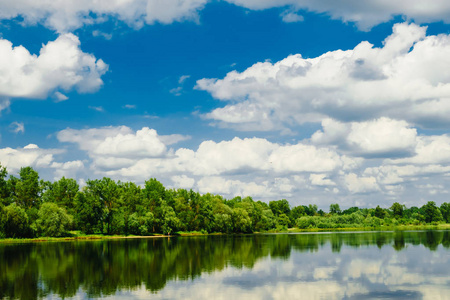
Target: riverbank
column 82, row 237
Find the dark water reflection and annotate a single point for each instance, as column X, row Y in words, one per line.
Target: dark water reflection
column 386, row 265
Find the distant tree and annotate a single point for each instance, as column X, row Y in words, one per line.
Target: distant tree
column 27, row 188
column 397, row 210
column 335, row 209
column 4, row 190
column 445, row 211
column 280, row 207
column 379, row 212
column 350, row 210
column 431, row 212
column 62, row 192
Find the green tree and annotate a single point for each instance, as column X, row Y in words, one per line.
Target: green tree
column 335, row 209
column 241, row 220
column 89, row 211
column 397, row 210
column 53, row 220
column 4, row 189
column 431, row 212
column 379, row 212
column 280, row 207
column 15, row 222
column 445, row 211
column 62, row 192
column 27, row 188
column 170, row 222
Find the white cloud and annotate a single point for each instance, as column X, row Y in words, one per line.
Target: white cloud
column 64, row 16
column 219, row 185
column 183, row 78
column 406, row 79
column 291, row 17
column 380, row 137
column 320, row 180
column 366, row 14
column 97, row 108
column 119, row 147
column 30, row 155
column 183, row 182
column 18, row 127
column 60, row 97
column 60, row 65
column 67, row 169
column 357, row 184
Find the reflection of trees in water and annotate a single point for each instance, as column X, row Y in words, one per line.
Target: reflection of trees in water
column 32, row 271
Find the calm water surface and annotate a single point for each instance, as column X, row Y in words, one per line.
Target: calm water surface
column 374, row 265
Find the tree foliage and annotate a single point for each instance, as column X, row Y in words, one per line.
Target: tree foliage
column 30, row 207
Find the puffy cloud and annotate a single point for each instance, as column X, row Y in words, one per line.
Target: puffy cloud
column 118, row 147
column 65, row 16
column 183, row 181
column 67, row 169
column 429, row 150
column 380, row 137
column 320, row 180
column 365, row 15
column 357, row 184
column 30, row 155
column 60, row 65
column 406, row 79
column 219, row 185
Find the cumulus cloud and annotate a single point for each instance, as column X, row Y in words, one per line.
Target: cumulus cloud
column 67, row 169
column 64, row 16
column 30, row 155
column 356, row 184
column 119, row 147
column 406, row 79
column 382, row 137
column 365, row 15
column 60, row 65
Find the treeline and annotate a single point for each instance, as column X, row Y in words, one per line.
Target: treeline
column 30, row 207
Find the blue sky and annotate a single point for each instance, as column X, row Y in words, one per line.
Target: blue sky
column 311, row 101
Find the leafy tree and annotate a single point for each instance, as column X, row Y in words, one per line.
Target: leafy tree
column 28, row 189
column 379, row 212
column 335, row 209
column 397, row 210
column 445, row 211
column 283, row 220
column 15, row 222
column 280, row 207
column 241, row 220
column 62, row 192
column 350, row 210
column 170, row 222
column 53, row 220
column 4, row 189
column 430, row 212
column 89, row 212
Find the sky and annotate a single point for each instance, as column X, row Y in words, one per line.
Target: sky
column 316, row 102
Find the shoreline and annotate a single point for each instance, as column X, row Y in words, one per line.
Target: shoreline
column 97, row 237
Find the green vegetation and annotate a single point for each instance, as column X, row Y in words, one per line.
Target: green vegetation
column 31, row 208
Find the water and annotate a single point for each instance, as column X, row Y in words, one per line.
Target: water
column 374, row 265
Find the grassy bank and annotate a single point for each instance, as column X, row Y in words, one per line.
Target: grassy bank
column 76, row 236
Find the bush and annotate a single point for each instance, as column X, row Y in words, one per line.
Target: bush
column 53, row 221
column 15, row 222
